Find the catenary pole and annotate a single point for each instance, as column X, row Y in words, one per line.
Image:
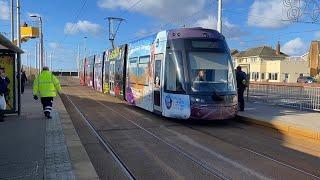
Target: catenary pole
column 219, row 23
column 12, row 20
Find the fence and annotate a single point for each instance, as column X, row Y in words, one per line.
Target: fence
column 297, row 96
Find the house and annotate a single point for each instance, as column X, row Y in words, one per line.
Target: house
column 265, row 64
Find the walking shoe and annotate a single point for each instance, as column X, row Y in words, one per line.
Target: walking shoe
column 48, row 116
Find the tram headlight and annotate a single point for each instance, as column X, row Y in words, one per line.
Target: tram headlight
column 197, row 100
column 234, row 99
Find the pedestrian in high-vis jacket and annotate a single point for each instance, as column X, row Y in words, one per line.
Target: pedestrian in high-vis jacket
column 46, row 86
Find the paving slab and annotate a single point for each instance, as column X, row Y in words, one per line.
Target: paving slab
column 286, row 120
column 33, row 147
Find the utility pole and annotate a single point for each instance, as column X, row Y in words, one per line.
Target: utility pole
column 41, row 39
column 51, row 62
column 18, row 25
column 78, row 61
column 85, row 46
column 219, row 23
column 12, row 20
column 36, row 57
column 29, row 64
column 18, row 56
column 112, row 30
column 41, row 43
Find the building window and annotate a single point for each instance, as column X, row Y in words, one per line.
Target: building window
column 255, row 75
column 262, row 76
column 273, row 76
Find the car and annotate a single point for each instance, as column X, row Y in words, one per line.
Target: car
column 306, row 79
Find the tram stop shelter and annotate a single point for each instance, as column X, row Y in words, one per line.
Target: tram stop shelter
column 10, row 61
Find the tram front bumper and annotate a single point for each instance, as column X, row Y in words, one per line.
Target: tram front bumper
column 213, row 111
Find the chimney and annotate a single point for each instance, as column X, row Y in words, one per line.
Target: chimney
column 278, row 49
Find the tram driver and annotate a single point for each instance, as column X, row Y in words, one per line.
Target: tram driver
column 201, row 76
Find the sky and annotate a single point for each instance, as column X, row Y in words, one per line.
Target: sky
column 246, row 23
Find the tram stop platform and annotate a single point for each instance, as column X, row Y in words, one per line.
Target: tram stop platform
column 289, row 121
column 33, row 147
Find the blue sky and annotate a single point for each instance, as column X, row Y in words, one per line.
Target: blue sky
column 246, row 23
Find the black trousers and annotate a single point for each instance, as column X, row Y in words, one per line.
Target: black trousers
column 241, row 98
column 22, row 87
column 47, row 104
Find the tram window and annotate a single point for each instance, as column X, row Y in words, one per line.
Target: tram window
column 174, row 71
column 157, row 73
column 143, row 71
column 133, row 70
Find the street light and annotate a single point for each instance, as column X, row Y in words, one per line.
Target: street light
column 41, row 39
column 85, row 46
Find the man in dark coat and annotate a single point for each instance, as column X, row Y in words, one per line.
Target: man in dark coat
column 4, row 91
column 241, row 84
column 24, row 79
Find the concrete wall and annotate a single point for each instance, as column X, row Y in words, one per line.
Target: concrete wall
column 294, row 69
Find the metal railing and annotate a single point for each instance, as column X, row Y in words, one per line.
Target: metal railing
column 297, row 96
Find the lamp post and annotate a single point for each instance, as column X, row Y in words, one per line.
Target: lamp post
column 85, row 46
column 219, row 22
column 41, row 39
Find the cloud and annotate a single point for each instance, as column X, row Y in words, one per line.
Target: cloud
column 82, row 26
column 161, row 9
column 317, row 35
column 266, row 14
column 295, row 47
column 4, row 10
column 53, row 45
column 230, row 30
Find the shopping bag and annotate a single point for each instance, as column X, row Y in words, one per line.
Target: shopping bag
column 3, row 104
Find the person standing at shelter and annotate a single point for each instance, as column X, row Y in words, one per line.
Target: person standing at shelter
column 46, row 85
column 4, row 92
column 24, row 79
column 241, row 85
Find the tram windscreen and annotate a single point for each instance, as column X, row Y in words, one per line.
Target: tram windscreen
column 210, row 71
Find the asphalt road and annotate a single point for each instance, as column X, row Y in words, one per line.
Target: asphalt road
column 126, row 142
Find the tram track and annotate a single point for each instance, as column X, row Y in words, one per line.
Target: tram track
column 239, row 146
column 258, row 154
column 116, row 157
column 215, row 172
column 105, row 144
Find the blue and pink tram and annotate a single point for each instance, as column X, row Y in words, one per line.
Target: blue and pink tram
column 182, row 73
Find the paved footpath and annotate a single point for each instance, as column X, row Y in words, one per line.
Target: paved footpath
column 33, row 147
column 287, row 120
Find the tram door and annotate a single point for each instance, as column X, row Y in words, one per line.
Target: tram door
column 112, row 77
column 157, row 82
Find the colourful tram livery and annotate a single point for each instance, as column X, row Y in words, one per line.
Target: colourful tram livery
column 106, row 66
column 98, row 75
column 117, row 69
column 89, row 71
column 183, row 73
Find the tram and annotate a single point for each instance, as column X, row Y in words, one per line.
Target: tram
column 182, row 73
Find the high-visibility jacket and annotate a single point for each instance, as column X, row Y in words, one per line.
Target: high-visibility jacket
column 46, row 85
